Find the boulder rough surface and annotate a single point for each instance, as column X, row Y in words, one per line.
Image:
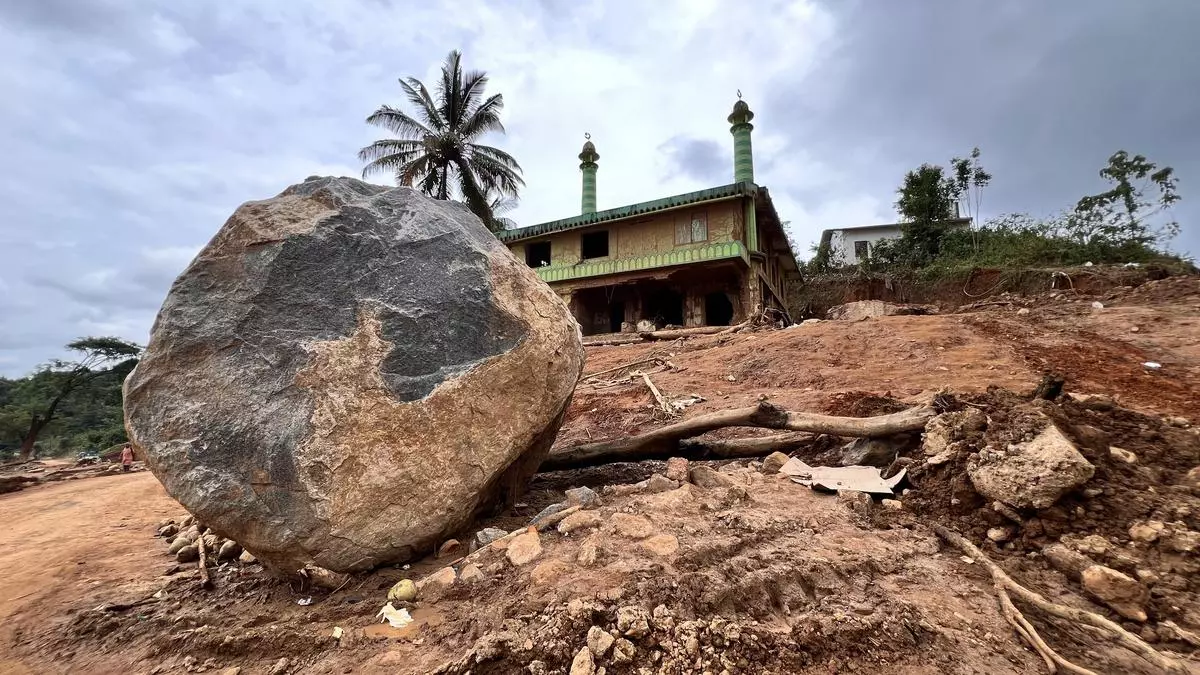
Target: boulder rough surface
column 1034, row 474
column 347, row 373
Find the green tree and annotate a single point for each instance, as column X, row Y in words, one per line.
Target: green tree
column 437, row 149
column 925, row 201
column 29, row 405
column 1124, row 212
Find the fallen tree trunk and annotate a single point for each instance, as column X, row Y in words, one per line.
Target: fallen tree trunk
column 664, row 442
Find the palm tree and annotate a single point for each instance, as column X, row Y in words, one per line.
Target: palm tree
column 500, row 204
column 436, row 150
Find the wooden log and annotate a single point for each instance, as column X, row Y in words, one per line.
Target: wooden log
column 652, row 359
column 664, row 441
column 676, row 333
column 658, row 398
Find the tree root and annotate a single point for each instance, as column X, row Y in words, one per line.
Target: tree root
column 1005, row 585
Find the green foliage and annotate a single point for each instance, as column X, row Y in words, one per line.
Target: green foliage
column 67, row 406
column 437, row 151
column 1120, row 225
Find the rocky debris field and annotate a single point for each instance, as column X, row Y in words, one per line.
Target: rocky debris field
column 21, row 475
column 1090, row 499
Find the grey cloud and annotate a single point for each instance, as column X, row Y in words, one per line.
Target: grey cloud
column 702, row 159
column 1047, row 91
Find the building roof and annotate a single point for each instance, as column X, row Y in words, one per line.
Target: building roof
column 730, row 191
column 827, row 234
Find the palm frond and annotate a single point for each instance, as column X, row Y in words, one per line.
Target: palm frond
column 475, row 195
column 398, row 122
column 389, row 155
column 484, row 118
column 418, row 95
column 495, row 176
column 474, row 82
column 497, row 155
column 449, row 90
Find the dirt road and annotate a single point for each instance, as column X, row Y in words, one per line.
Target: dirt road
column 58, row 540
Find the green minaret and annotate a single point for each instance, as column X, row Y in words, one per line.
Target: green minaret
column 743, row 156
column 588, row 166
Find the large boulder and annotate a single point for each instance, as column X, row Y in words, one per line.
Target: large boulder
column 873, row 309
column 1033, row 474
column 347, row 373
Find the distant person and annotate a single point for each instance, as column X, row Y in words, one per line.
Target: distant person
column 127, row 457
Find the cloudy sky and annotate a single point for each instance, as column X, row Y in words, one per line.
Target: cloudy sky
column 131, row 129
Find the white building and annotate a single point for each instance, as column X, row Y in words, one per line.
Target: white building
column 851, row 245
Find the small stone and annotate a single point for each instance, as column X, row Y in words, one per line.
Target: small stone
column 448, row 548
column 623, row 651
column 1147, row 531
column 280, row 667
column 584, row 497
column 487, row 535
column 631, row 526
column 660, row 483
column 1119, row 591
column 1023, row 311
column 1093, row 544
column 168, row 530
column 1192, row 477
column 1122, row 455
column 1092, row 493
column 599, row 641
column 546, row 513
column 432, row 586
column 470, row 573
column 633, row 622
column 1180, row 422
column 677, row 469
column 893, row 504
column 578, row 521
column 1134, row 329
column 858, row 502
column 229, row 550
column 187, row 521
column 235, row 670
column 178, row 544
column 707, row 477
column 524, row 548
column 1001, row 534
column 583, row 664
column 247, row 558
column 1182, row 541
column 774, row 462
column 402, row 591
column 589, row 553
column 187, row 554
column 1148, row 577
column 664, row 545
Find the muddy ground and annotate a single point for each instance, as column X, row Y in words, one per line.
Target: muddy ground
column 759, row 575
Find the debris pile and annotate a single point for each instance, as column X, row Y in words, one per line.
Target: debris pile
column 348, row 373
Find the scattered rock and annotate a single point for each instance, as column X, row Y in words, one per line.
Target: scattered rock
column 589, row 553
column 280, row 667
column 340, row 366
column 677, row 469
column 583, row 663
column 487, row 535
column 1178, row 422
column 659, row 483
column 188, row 553
column 774, row 462
column 1146, row 532
column 177, row 544
column 1007, row 511
column 1034, row 474
column 1023, row 311
column 858, row 502
column 1182, row 540
column 893, row 504
column 229, row 550
column 547, row 513
column 233, row 670
column 247, row 558
column 578, row 521
column 599, row 641
column 168, row 530
column 623, row 651
column 1119, row 591
column 1001, row 534
column 402, row 591
column 870, row 309
column 707, row 477
column 1122, row 455
column 524, row 548
column 432, row 586
column 631, row 526
column 470, row 573
column 664, row 545
column 583, row 496
column 1093, row 544
column 875, row 452
column 633, row 622
column 943, row 431
column 1192, row 477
